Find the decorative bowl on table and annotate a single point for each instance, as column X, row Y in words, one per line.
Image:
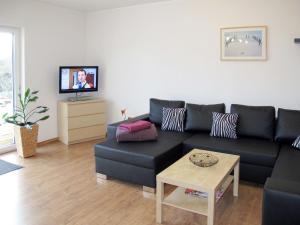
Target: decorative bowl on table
column 203, row 159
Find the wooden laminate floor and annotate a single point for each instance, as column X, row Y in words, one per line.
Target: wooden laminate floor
column 58, row 186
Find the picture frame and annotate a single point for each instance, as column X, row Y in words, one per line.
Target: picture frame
column 244, row 43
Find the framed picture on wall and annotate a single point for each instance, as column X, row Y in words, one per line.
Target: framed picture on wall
column 244, row 43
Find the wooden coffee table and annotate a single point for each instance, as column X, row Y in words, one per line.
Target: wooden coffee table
column 184, row 174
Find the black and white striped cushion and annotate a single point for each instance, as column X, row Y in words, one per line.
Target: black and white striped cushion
column 173, row 119
column 296, row 143
column 224, row 125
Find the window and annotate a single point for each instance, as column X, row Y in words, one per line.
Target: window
column 8, row 85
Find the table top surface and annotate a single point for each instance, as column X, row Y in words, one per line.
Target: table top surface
column 184, row 173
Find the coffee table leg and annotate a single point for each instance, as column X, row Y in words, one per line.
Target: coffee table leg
column 236, row 180
column 159, row 199
column 211, row 208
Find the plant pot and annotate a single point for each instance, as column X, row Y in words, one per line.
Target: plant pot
column 26, row 140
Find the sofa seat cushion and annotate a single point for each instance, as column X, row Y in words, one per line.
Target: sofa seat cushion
column 287, row 166
column 251, row 150
column 151, row 154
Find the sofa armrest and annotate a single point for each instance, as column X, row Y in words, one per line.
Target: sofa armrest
column 281, row 202
column 112, row 128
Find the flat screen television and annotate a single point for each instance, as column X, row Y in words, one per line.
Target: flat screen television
column 73, row 79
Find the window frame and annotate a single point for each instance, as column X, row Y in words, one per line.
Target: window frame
column 17, row 70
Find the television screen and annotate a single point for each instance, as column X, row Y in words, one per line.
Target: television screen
column 78, row 79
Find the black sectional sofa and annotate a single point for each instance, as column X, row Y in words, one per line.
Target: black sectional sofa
column 281, row 202
column 264, row 145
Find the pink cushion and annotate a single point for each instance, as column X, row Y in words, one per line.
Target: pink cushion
column 123, row 135
column 136, row 126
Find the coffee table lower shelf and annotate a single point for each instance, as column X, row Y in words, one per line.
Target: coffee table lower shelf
column 195, row 204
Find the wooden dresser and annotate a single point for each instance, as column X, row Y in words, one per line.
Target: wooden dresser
column 81, row 121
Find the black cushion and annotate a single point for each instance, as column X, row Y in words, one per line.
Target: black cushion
column 156, row 108
column 287, row 166
column 252, row 150
column 144, row 154
column 255, row 121
column 199, row 117
column 288, row 125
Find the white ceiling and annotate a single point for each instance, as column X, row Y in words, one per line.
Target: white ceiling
column 94, row 5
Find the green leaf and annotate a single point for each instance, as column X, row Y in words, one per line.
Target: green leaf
column 12, row 120
column 42, row 111
column 4, row 116
column 27, row 92
column 21, row 101
column 34, row 92
column 44, row 118
column 16, row 115
column 33, row 99
column 44, row 108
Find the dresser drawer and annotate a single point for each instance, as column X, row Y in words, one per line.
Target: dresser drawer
column 86, row 109
column 86, row 121
column 87, row 132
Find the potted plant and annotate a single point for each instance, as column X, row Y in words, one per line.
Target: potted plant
column 25, row 123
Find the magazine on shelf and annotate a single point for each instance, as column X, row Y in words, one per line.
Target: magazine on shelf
column 201, row 194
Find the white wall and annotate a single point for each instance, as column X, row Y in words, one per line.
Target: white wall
column 53, row 36
column 166, row 50
column 171, row 50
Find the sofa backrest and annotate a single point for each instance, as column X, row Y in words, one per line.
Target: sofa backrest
column 199, row 117
column 255, row 121
column 156, row 108
column 288, row 125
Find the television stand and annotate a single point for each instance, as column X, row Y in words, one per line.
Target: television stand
column 80, row 98
column 81, row 121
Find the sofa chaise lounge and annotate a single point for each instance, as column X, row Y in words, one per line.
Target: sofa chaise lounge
column 263, row 144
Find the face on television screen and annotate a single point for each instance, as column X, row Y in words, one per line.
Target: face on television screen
column 78, row 79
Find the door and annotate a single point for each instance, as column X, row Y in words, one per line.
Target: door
column 8, row 84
